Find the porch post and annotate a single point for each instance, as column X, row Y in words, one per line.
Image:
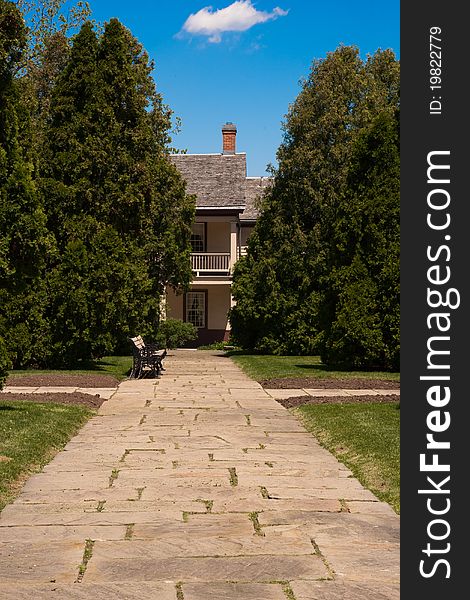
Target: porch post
column 233, row 245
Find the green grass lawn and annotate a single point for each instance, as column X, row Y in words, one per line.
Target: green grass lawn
column 30, row 435
column 261, row 366
column 365, row 437
column 117, row 366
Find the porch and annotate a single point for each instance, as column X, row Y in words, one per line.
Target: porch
column 206, row 305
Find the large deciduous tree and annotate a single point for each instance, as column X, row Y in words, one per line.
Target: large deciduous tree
column 283, row 288
column 51, row 24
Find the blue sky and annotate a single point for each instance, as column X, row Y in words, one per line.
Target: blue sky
column 250, row 73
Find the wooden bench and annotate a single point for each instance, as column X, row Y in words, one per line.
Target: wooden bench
column 147, row 359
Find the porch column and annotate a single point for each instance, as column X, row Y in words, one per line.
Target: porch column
column 233, row 244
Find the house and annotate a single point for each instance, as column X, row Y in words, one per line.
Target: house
column 225, row 216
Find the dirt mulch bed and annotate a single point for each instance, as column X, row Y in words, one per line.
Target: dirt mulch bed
column 300, row 400
column 58, row 380
column 92, row 401
column 87, row 400
column 357, row 383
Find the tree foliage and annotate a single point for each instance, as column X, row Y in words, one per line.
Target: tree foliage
column 117, row 206
column 284, row 287
column 96, row 225
column 25, row 242
column 51, row 24
column 361, row 318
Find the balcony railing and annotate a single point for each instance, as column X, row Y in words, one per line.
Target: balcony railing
column 214, row 263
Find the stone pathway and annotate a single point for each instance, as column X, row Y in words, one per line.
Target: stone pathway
column 198, row 486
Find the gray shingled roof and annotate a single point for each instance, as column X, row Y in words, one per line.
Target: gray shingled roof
column 254, row 188
column 216, row 179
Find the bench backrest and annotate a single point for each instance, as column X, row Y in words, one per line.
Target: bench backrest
column 138, row 342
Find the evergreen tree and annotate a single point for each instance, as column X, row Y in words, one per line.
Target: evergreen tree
column 361, row 318
column 24, row 239
column 149, row 193
column 282, row 286
column 118, row 207
column 76, row 151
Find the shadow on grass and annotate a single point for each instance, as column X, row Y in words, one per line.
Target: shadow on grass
column 346, row 368
column 317, row 367
column 116, row 366
column 98, row 365
column 244, row 353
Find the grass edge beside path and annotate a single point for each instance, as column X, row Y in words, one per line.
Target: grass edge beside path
column 263, row 366
column 31, row 434
column 116, row 366
column 364, row 437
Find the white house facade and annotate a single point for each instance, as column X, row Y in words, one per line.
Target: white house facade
column 226, row 212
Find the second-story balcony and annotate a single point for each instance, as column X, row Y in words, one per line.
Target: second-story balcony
column 210, row 263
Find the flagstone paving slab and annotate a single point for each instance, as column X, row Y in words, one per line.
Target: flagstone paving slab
column 360, row 560
column 88, row 518
column 18, row 389
column 233, row 591
column 283, row 492
column 68, row 495
column 346, row 527
column 273, row 511
column 68, row 480
column 369, row 507
column 337, row 590
column 223, row 525
column 198, row 485
column 95, row 591
column 39, row 562
column 184, row 542
column 281, row 394
column 244, row 569
column 51, row 533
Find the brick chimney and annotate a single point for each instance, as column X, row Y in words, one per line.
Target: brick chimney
column 229, row 137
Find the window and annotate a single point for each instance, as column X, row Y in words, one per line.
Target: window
column 196, row 309
column 198, row 237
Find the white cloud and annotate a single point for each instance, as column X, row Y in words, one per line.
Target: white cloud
column 238, row 16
